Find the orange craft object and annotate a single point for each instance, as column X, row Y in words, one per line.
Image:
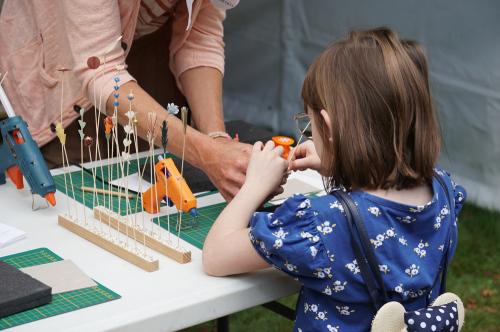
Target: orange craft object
column 284, row 141
column 108, row 125
column 177, row 187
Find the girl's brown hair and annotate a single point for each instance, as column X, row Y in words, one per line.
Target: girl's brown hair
column 384, row 131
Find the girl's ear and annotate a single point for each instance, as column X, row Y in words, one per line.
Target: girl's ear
column 326, row 118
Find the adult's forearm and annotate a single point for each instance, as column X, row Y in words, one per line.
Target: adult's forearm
column 197, row 144
column 202, row 88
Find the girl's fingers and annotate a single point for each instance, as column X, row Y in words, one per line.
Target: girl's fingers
column 257, row 147
column 299, row 152
column 299, row 164
column 278, row 150
column 269, row 146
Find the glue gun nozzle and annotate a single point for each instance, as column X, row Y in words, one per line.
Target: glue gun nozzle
column 50, row 198
column 193, row 212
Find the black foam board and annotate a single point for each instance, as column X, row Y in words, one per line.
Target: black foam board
column 19, row 291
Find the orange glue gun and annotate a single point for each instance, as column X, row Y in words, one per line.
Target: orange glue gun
column 171, row 187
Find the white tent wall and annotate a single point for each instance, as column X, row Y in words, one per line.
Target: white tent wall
column 269, row 45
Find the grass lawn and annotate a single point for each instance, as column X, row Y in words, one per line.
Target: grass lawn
column 474, row 275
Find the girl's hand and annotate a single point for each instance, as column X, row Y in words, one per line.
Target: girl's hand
column 266, row 170
column 304, row 157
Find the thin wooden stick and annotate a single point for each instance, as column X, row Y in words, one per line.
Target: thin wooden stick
column 298, row 142
column 184, row 125
column 108, row 192
column 136, row 146
column 3, row 78
column 151, row 135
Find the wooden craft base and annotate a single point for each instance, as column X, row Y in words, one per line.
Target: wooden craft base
column 106, row 216
column 108, row 245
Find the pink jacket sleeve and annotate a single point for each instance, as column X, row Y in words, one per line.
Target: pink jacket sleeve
column 203, row 46
column 93, row 28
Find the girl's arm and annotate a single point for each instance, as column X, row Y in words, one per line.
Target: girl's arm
column 227, row 249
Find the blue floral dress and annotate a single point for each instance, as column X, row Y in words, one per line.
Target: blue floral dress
column 308, row 238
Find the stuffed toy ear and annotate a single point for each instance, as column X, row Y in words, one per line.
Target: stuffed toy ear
column 451, row 297
column 390, row 318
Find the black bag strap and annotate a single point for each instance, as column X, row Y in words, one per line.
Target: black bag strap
column 447, row 243
column 365, row 257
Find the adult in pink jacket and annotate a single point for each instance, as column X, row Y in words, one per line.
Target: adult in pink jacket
column 38, row 38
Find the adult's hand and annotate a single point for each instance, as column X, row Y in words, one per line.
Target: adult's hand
column 225, row 163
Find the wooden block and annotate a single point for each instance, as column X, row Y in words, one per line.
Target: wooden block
column 106, row 216
column 108, row 245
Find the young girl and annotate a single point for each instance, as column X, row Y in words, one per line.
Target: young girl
column 374, row 134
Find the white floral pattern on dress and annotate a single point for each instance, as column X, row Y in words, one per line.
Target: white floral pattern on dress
column 339, row 286
column 278, row 243
column 353, row 267
column 413, row 294
column 277, row 222
column 314, row 308
column 306, row 204
column 384, row 268
column 403, row 241
column 332, row 328
column 314, row 251
column 309, row 236
column 440, row 218
column 406, row 219
column 345, row 310
column 399, row 289
column 321, row 315
column 300, row 214
column 337, row 205
column 418, row 208
column 322, row 273
column 412, row 270
column 380, row 238
column 326, row 227
column 374, row 210
column 420, row 249
column 280, row 235
column 290, row 267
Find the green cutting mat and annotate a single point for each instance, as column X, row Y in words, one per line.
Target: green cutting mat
column 61, row 303
column 101, row 172
column 194, row 230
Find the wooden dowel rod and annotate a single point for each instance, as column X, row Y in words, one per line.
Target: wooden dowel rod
column 107, row 192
